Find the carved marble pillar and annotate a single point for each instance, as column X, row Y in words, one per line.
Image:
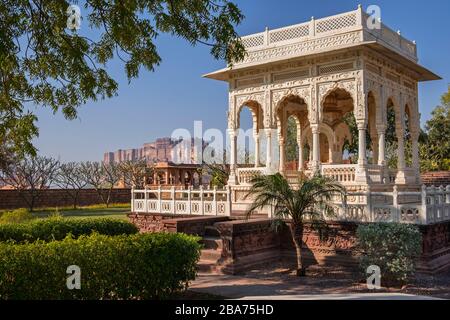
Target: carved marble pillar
column 375, row 147
column 362, row 157
column 300, row 152
column 232, row 180
column 269, row 151
column 256, row 138
column 415, row 155
column 381, row 132
column 315, row 165
column 415, row 132
column 361, row 173
column 401, row 165
column 282, row 154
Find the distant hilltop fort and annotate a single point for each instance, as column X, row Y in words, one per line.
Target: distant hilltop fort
column 160, row 150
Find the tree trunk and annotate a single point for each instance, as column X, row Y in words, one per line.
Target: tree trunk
column 33, row 200
column 297, row 237
column 109, row 197
column 75, row 199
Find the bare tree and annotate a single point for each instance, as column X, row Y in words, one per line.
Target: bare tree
column 102, row 177
column 29, row 176
column 134, row 173
column 111, row 178
column 71, row 179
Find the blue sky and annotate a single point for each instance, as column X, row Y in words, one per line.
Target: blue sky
column 176, row 95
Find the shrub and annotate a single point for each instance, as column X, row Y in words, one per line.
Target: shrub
column 57, row 228
column 391, row 246
column 139, row 266
column 16, row 216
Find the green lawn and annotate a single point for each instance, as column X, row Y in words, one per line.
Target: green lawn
column 114, row 211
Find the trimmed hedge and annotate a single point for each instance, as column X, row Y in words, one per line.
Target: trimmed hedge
column 16, row 216
column 139, row 266
column 393, row 247
column 57, row 228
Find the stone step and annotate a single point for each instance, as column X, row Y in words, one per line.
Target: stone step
column 212, row 243
column 240, row 214
column 208, row 267
column 210, row 255
column 211, row 231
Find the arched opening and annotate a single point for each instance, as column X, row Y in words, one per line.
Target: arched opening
column 292, row 146
column 407, row 136
column 324, row 149
column 391, row 135
column 249, row 122
column 292, row 118
column 337, row 113
column 350, row 146
column 372, row 134
column 307, row 153
column 326, row 142
column 343, row 138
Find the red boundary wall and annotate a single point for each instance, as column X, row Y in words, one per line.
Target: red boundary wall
column 13, row 199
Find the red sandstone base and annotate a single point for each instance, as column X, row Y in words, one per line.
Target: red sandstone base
column 250, row 243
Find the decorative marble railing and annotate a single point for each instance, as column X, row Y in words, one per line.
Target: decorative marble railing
column 392, row 173
column 182, row 201
column 343, row 173
column 326, row 32
column 392, row 38
column 430, row 205
column 376, row 173
column 245, row 175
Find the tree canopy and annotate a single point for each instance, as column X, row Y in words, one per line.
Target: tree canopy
column 44, row 63
column 435, row 150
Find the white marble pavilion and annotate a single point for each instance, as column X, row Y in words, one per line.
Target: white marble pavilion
column 317, row 72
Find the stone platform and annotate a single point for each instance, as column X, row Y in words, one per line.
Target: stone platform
column 233, row 245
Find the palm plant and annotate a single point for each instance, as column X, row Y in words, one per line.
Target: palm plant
column 219, row 173
column 308, row 201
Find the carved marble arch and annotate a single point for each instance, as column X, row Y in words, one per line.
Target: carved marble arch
column 290, row 105
column 298, row 123
column 323, row 128
column 256, row 110
column 300, row 95
column 345, row 89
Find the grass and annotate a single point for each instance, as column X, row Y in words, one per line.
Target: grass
column 116, row 210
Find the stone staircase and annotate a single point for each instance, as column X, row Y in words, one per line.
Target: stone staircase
column 241, row 215
column 211, row 252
